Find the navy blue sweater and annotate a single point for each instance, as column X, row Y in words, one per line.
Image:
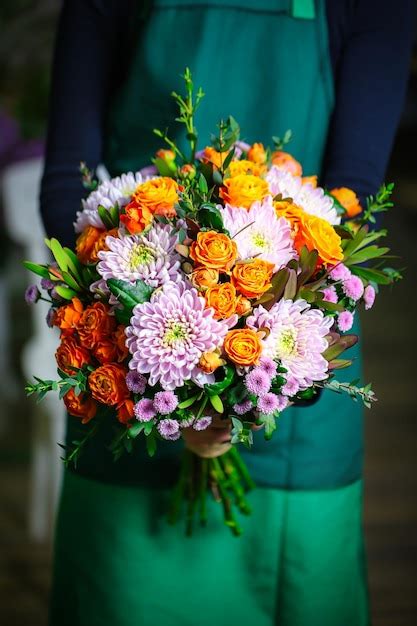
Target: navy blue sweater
column 370, row 45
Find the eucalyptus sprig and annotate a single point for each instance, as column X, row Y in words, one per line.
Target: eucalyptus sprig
column 378, row 204
column 365, row 394
column 188, row 106
column 77, row 381
column 75, row 450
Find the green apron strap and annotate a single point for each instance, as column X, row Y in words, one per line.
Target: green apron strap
column 303, row 9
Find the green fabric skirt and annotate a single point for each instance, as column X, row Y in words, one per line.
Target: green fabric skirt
column 118, row 562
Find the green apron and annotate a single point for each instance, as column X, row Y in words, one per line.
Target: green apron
column 300, row 561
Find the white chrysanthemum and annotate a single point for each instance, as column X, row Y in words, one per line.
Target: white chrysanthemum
column 258, row 232
column 151, row 257
column 296, row 338
column 312, row 200
column 117, row 190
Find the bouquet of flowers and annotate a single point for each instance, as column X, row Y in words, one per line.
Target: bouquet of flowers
column 219, row 284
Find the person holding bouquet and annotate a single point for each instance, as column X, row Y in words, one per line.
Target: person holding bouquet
column 328, row 72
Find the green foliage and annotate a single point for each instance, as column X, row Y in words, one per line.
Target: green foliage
column 365, row 394
column 214, row 389
column 229, row 133
column 280, row 143
column 378, row 204
column 129, row 296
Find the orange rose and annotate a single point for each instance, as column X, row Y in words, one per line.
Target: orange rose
column 105, row 351
column 316, row 233
column 67, row 317
column 286, row 162
column 257, row 153
column 211, row 155
column 243, row 346
column 210, row 361
column 291, row 212
column 245, row 167
column 204, row 277
column 214, row 251
column 348, row 199
column 136, row 217
column 243, row 190
column 70, row 354
column 108, row 384
column 86, row 242
column 95, row 324
column 80, row 406
column 311, row 180
column 120, row 340
column 243, row 306
column 252, row 279
column 158, row 196
column 223, row 300
column 125, row 411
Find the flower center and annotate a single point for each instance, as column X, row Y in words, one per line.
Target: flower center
column 140, row 255
column 287, row 343
column 175, row 332
column 260, row 241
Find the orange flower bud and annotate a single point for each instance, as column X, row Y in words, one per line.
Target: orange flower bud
column 286, row 162
column 166, row 155
column 204, row 277
column 243, row 306
column 348, row 199
column 210, row 361
column 257, row 153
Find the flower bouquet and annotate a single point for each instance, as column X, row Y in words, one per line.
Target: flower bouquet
column 219, row 284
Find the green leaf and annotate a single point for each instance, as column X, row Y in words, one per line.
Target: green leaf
column 74, row 264
column 354, row 243
column 279, row 281
column 217, row 177
column 130, row 295
column 371, row 274
column 59, row 253
column 202, row 184
column 228, row 159
column 217, row 403
column 338, row 364
column 269, row 424
column 40, row 270
column 105, row 217
column 71, row 282
column 165, row 168
column 188, row 402
column 151, row 444
column 343, row 343
column 215, row 389
column 135, row 430
column 65, row 292
column 291, row 286
column 370, row 252
column 210, row 216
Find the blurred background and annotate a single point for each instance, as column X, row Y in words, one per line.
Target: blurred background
column 29, row 467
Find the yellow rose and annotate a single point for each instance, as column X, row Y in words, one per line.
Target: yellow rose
column 243, row 190
column 245, row 167
column 318, row 234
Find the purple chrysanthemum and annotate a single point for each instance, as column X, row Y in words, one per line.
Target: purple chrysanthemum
column 267, row 404
column 257, row 382
column 169, row 429
column 329, row 294
column 296, row 338
column 186, row 423
column 291, row 387
column 369, row 297
column 203, row 422
column 268, row 365
column 165, row 402
column 32, row 294
column 136, row 383
column 353, row 287
column 50, row 316
column 243, row 407
column 151, row 257
column 47, row 284
column 283, row 402
column 144, row 410
column 169, row 334
column 345, row 321
column 340, row 272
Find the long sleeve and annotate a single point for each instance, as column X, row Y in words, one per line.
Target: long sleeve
column 371, row 75
column 88, row 45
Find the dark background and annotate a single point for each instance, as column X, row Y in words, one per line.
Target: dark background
column 389, row 344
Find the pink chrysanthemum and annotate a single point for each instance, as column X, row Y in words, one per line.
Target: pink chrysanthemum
column 296, row 338
column 169, row 334
column 260, row 233
column 283, row 402
column 186, row 423
column 257, row 382
column 169, row 429
column 144, row 410
column 165, row 402
column 243, row 407
column 311, row 199
column 203, row 422
column 353, row 287
column 268, row 404
column 291, row 387
column 268, row 365
column 330, row 294
column 151, row 257
column 369, row 297
column 111, row 192
column 136, row 383
column 345, row 321
column 340, row 272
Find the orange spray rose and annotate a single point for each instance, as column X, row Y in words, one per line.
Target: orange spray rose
column 108, row 384
column 243, row 346
column 243, row 190
column 95, row 324
column 223, row 300
column 70, row 354
column 286, row 162
column 67, row 317
column 257, row 153
column 214, row 251
column 348, row 199
column 80, row 406
column 252, row 279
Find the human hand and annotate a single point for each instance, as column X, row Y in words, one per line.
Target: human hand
column 212, row 442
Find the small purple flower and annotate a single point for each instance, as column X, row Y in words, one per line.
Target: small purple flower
column 345, row 321
column 329, row 294
column 242, row 407
column 257, row 382
column 47, row 284
column 32, row 294
column 149, row 170
column 369, row 297
column 135, row 382
column 268, row 366
column 203, row 422
column 144, row 410
column 291, row 387
column 353, row 287
column 186, row 423
column 50, row 317
column 282, row 402
column 169, row 429
column 165, row 402
column 340, row 272
column 268, row 404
